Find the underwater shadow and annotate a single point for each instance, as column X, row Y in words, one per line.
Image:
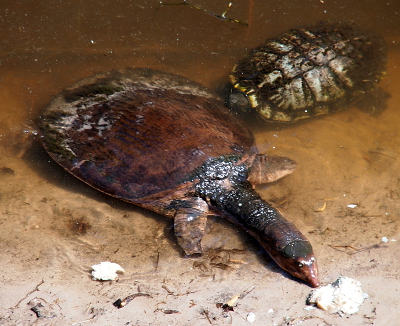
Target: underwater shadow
column 47, row 169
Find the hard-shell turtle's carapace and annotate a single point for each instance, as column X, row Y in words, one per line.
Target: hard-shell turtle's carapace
column 305, row 72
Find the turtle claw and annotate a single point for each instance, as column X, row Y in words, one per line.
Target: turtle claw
column 190, row 225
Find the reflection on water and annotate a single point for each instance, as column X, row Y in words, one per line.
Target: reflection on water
column 346, row 159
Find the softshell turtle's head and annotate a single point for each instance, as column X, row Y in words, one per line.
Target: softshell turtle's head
column 298, row 259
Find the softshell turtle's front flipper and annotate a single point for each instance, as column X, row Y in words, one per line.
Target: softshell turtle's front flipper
column 265, row 168
column 190, row 224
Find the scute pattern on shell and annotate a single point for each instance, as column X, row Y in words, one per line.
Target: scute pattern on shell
column 309, row 71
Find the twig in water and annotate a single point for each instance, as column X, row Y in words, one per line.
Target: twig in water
column 29, row 293
column 221, row 16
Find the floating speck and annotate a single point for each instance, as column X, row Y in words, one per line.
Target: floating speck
column 320, row 206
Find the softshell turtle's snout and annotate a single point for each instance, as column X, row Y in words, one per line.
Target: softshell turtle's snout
column 304, row 268
column 309, row 271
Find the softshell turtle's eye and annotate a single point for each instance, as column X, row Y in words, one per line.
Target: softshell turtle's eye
column 300, row 265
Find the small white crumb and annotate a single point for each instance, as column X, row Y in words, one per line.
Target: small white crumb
column 343, row 295
column 393, row 240
column 251, row 317
column 309, row 308
column 384, row 239
column 352, row 206
column 270, row 311
column 106, row 271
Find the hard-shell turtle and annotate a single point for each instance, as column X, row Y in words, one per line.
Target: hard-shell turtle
column 310, row 71
column 166, row 143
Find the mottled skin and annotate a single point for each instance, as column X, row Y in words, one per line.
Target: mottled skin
column 167, row 144
column 232, row 195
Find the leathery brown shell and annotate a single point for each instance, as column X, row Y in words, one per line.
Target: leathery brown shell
column 138, row 132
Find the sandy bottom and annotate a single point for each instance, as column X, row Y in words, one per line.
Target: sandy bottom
column 54, row 228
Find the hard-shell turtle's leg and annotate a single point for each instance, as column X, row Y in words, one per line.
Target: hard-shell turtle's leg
column 190, row 225
column 265, row 168
column 374, row 102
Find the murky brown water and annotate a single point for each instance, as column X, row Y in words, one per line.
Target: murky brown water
column 53, row 227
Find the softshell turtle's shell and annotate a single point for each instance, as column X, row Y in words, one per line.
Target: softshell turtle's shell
column 310, row 71
column 111, row 125
column 168, row 144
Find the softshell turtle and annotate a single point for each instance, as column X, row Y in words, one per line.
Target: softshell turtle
column 318, row 69
column 168, row 144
